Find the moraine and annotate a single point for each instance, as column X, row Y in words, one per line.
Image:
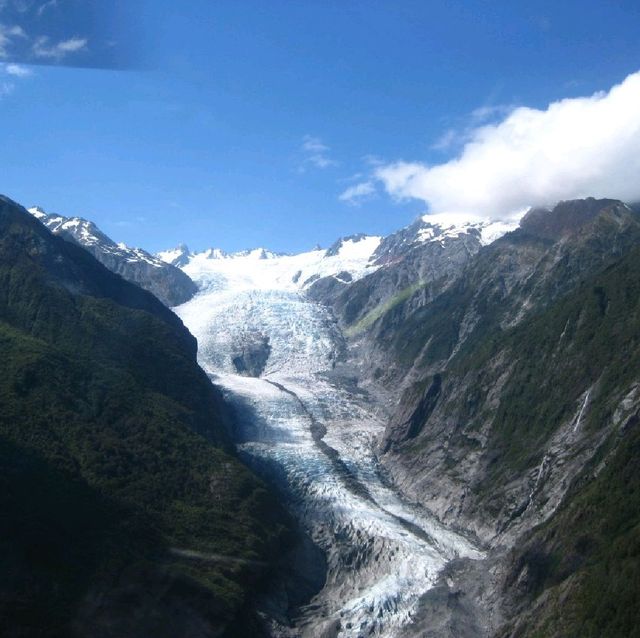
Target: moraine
column 315, row 434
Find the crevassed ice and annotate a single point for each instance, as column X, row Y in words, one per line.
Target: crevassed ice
column 382, row 553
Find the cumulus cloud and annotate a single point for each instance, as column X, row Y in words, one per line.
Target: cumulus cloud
column 576, row 147
column 358, row 192
column 316, row 153
column 44, row 48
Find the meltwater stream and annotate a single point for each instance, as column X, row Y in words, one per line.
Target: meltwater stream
column 382, row 554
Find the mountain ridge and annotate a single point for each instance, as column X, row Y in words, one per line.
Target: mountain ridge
column 165, row 281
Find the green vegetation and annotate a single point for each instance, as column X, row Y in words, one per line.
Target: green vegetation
column 589, row 339
column 586, row 560
column 579, row 574
column 588, row 555
column 373, row 315
column 113, row 452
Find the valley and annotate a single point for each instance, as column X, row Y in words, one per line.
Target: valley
column 309, row 428
column 445, row 421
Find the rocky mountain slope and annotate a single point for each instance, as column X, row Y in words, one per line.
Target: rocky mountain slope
column 124, row 510
column 517, row 417
column 432, row 247
column 165, row 281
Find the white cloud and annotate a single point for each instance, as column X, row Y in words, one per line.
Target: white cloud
column 316, row 153
column 356, row 193
column 50, row 4
column 7, row 36
column 313, row 144
column 449, row 138
column 17, row 70
column 43, row 48
column 574, row 148
column 488, row 112
column 462, row 132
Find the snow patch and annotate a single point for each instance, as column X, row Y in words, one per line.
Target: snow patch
column 443, row 225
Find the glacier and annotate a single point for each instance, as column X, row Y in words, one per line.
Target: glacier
column 318, row 434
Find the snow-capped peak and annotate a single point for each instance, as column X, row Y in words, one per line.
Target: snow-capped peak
column 259, row 268
column 87, row 234
column 253, row 253
column 439, row 226
column 178, row 256
column 37, row 212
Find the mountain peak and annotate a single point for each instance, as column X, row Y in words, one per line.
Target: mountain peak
column 568, row 216
column 178, row 256
column 335, row 248
column 169, row 284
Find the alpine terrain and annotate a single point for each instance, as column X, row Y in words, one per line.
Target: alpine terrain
column 166, row 282
column 449, row 415
column 452, row 414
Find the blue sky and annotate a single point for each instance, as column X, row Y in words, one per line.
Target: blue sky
column 238, row 124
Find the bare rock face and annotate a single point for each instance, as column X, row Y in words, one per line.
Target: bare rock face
column 167, row 282
column 458, row 439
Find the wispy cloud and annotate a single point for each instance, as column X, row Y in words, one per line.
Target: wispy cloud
column 17, row 70
column 22, row 6
column 8, row 36
column 46, row 6
column 67, row 33
column 357, row 193
column 6, row 88
column 44, row 48
column 489, row 112
column 459, row 135
column 14, row 72
column 316, row 153
column 576, row 147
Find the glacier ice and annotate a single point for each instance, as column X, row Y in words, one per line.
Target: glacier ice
column 382, row 553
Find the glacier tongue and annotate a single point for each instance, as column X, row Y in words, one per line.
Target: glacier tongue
column 382, row 553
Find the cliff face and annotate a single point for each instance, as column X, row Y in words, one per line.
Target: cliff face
column 124, row 510
column 518, row 381
column 504, row 361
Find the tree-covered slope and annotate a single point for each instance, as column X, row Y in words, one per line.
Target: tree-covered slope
column 579, row 572
column 123, row 512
